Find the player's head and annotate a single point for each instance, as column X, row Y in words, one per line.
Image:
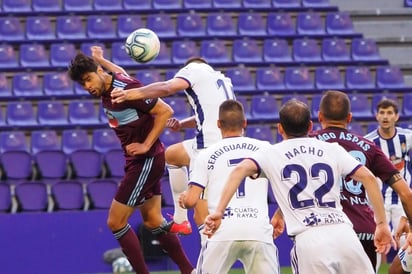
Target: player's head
column 88, row 73
column 195, row 60
column 294, row 119
column 387, row 113
column 335, row 107
column 231, row 116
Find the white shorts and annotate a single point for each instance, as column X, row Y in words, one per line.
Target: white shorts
column 329, row 249
column 191, row 150
column 256, row 257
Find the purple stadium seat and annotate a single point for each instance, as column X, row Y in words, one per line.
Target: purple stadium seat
column 16, row 173
column 57, row 84
column 215, row 51
column 40, row 28
column 75, row 139
column 46, row 5
column 365, row 49
column 190, row 25
column 220, row 24
column 101, row 193
column 315, row 3
column 264, row 108
column 5, row 198
column 286, row 3
column 242, row 79
column 356, row 127
column 329, row 78
column 100, row 27
column 83, row 112
column 314, row 105
column 13, row 141
column 77, row 5
column 281, row 24
column 335, row 50
column 376, row 98
column 137, row 5
column 16, row 6
column 52, row 113
column 70, row 27
column 167, row 4
column 197, row 4
column 247, row 51
column 251, row 24
column 408, row 3
column 11, row 29
column 179, row 106
column 359, row 77
column 68, row 195
column 339, row 23
column 127, row 23
column 389, row 77
column 361, row 106
column 269, row 79
column 276, row 51
column 183, row 50
column 104, row 140
column 51, row 172
column 85, row 47
column 148, row 76
column 115, row 162
column 261, row 132
column 120, row 56
column 170, row 137
column 298, row 78
column 32, row 196
column 5, row 86
column 163, row 58
column 162, row 24
column 27, row 84
column 44, row 140
column 34, row 56
column 8, row 56
column 87, row 164
column 407, row 105
column 306, row 50
column 61, row 54
column 310, row 23
column 21, row 114
column 246, row 106
column 252, row 4
column 108, row 5
column 227, row 3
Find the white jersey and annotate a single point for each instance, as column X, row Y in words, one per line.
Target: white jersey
column 208, row 89
column 248, row 208
column 305, row 175
column 397, row 150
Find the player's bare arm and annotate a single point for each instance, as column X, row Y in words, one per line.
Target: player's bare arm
column 383, row 238
column 98, row 56
column 153, row 90
column 161, row 112
column 190, row 197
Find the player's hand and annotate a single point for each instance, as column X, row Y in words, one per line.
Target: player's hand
column 182, row 198
column 118, row 95
column 278, row 224
column 135, row 149
column 402, row 230
column 212, row 223
column 383, row 239
column 97, row 53
column 173, row 124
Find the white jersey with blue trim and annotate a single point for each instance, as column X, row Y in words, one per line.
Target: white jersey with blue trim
column 208, row 89
column 305, row 175
column 248, row 209
column 397, row 150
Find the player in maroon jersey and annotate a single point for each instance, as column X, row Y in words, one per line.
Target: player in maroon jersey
column 138, row 125
column 334, row 116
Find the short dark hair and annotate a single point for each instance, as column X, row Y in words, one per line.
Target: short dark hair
column 386, row 103
column 335, row 105
column 231, row 115
column 195, row 59
column 295, row 118
column 80, row 65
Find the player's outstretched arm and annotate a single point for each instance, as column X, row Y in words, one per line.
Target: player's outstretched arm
column 98, row 56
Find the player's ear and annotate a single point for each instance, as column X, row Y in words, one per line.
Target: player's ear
column 219, row 124
column 349, row 118
column 280, row 129
column 310, row 126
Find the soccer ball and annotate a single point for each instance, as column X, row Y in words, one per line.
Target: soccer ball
column 121, row 265
column 142, row 45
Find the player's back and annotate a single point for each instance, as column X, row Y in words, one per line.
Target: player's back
column 208, row 89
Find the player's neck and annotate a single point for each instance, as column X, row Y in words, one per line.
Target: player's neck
column 231, row 134
column 338, row 124
column 387, row 133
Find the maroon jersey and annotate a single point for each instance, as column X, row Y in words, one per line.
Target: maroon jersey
column 353, row 195
column 131, row 120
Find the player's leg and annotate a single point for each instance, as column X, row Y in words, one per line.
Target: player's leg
column 118, row 223
column 154, row 221
column 177, row 160
column 259, row 257
column 396, row 267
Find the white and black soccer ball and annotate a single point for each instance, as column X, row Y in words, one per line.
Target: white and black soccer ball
column 143, row 45
column 121, row 265
column 406, row 259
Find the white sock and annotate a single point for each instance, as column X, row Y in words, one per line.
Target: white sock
column 178, row 179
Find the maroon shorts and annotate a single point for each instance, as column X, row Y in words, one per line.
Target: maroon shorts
column 141, row 181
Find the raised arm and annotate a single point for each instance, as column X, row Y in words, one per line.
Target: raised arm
column 98, row 55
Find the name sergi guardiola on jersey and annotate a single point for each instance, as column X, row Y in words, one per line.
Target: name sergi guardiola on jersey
column 344, row 136
column 244, row 146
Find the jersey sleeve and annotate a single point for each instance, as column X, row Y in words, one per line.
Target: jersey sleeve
column 190, row 73
column 381, row 166
column 199, row 175
column 143, row 105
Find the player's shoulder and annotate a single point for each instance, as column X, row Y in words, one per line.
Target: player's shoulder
column 406, row 131
column 372, row 134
